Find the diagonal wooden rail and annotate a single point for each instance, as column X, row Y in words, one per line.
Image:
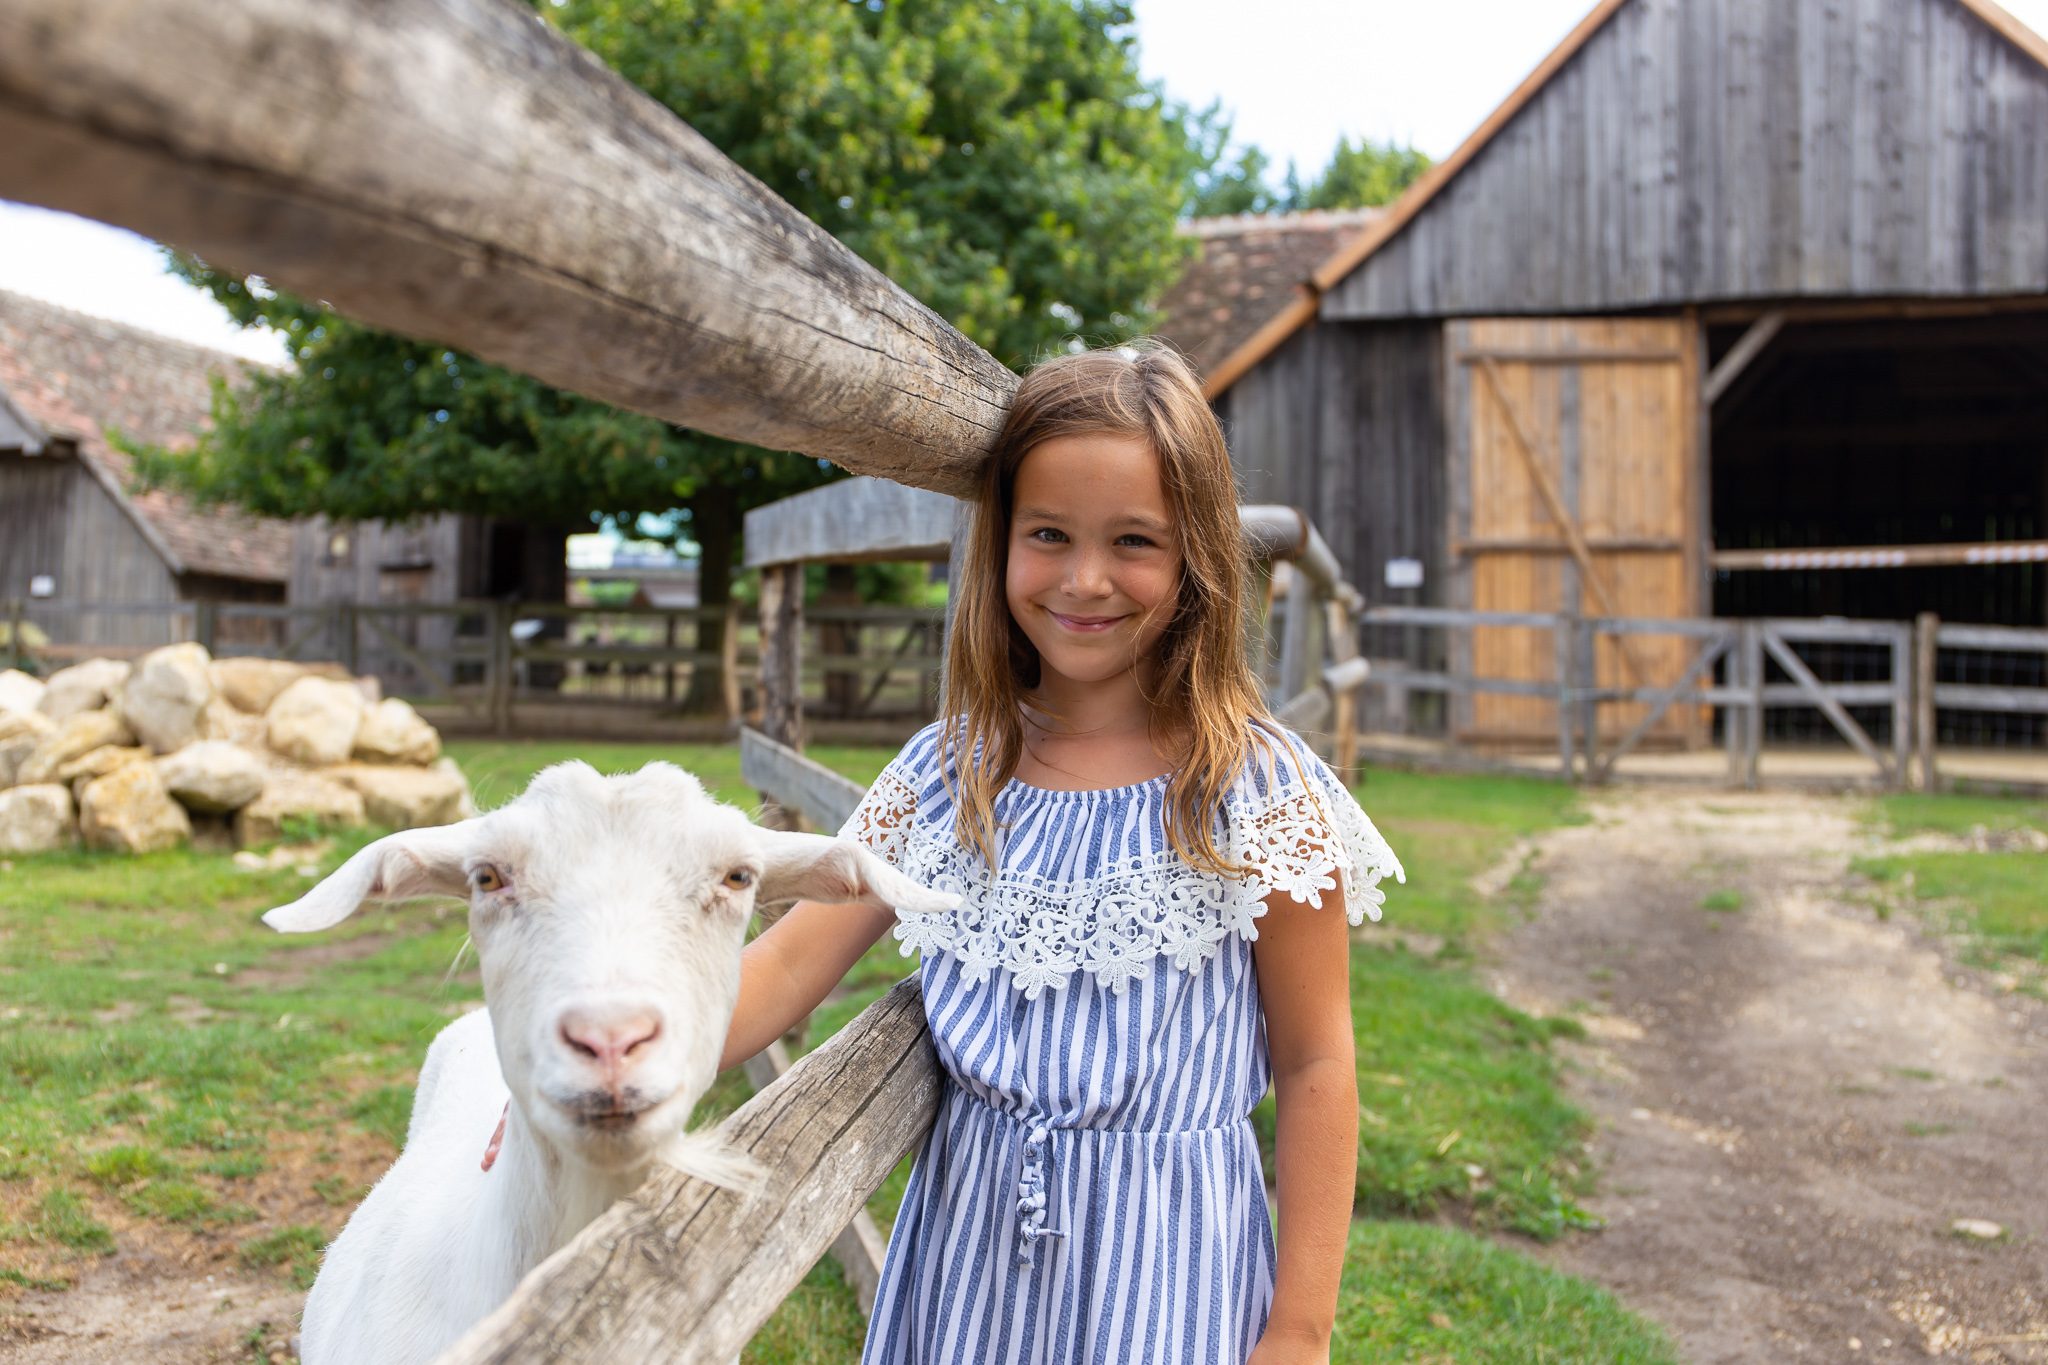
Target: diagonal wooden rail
column 458, row 171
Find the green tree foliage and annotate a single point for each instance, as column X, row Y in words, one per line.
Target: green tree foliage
column 1360, row 175
column 1364, row 174
column 1004, row 163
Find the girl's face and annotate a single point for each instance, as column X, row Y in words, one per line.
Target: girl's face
column 1094, row 556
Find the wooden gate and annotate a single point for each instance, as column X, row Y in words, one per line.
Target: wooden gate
column 1574, row 487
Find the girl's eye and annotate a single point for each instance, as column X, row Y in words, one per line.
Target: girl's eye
column 486, row 879
column 1046, row 535
column 1141, row 542
column 740, row 878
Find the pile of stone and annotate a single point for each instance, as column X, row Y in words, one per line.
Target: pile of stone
column 183, row 748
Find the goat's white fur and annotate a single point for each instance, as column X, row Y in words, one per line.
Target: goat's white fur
column 616, row 891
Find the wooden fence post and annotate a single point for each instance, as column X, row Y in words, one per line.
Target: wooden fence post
column 498, row 685
column 1753, row 679
column 1926, row 643
column 1561, row 640
column 729, row 662
column 782, row 636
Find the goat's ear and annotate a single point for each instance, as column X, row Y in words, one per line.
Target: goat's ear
column 817, row 867
column 415, row 862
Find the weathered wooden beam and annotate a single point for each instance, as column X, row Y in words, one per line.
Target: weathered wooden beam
column 681, row 1272
column 457, row 170
column 1747, row 348
column 1884, row 556
column 855, row 519
column 795, row 782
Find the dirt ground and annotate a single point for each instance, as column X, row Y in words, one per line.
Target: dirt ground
column 1796, row 1099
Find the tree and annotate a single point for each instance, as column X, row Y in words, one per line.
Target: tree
column 1003, row 163
column 1364, row 175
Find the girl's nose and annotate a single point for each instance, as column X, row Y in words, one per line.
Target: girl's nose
column 1087, row 576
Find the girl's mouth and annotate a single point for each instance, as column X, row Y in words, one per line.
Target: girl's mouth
column 1087, row 625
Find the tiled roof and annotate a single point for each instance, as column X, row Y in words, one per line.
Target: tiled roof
column 1244, row 273
column 78, row 376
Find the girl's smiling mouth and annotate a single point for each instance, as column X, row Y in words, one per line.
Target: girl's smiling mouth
column 1086, row 624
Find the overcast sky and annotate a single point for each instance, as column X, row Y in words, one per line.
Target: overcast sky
column 1296, row 75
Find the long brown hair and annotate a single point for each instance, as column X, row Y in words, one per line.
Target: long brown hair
column 1205, row 694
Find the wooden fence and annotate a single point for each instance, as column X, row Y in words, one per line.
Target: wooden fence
column 509, row 667
column 1734, row 671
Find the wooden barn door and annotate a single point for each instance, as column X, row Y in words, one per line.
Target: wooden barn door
column 1574, row 486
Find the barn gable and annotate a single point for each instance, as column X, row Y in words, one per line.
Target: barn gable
column 69, row 379
column 1703, row 150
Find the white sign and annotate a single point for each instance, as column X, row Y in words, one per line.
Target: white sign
column 1404, row 573
column 42, row 585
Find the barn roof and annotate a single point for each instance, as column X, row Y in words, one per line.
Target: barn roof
column 1356, row 249
column 1247, row 274
column 75, row 377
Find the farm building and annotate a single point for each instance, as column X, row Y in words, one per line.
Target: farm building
column 73, row 536
column 1721, row 281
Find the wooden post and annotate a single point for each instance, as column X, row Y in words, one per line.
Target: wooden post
column 1731, row 711
column 782, row 635
column 668, row 666
column 1926, row 644
column 15, row 649
column 729, row 662
column 499, row 683
column 1753, row 677
column 205, row 623
column 1561, row 639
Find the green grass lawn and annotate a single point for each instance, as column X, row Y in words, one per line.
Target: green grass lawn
column 173, row 1075
column 1994, row 899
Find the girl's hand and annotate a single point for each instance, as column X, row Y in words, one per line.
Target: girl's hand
column 1290, row 1349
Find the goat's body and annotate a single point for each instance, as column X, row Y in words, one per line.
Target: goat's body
column 440, row 1242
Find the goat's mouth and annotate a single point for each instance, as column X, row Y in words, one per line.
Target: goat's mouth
column 602, row 1111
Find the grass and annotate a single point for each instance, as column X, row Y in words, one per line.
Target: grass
column 1722, row 902
column 163, row 1057
column 1993, row 899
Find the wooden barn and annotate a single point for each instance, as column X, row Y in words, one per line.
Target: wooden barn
column 1724, row 282
column 91, row 557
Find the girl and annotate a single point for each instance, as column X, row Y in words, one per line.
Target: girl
column 1151, row 924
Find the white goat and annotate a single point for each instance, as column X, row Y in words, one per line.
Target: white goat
column 608, row 916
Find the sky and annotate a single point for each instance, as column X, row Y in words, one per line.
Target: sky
column 1295, row 74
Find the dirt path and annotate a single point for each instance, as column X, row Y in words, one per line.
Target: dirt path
column 1796, row 1099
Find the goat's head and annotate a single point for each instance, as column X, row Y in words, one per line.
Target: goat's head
column 608, row 915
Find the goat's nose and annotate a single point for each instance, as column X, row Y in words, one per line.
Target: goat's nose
column 610, row 1036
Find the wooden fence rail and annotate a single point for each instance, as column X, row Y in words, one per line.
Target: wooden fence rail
column 1729, row 670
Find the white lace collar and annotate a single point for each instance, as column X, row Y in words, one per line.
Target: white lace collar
column 1116, row 922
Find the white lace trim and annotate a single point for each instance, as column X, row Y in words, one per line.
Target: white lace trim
column 1115, row 925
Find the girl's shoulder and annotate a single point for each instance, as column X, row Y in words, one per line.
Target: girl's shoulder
column 1296, row 824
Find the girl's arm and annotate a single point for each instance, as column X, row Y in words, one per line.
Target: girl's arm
column 792, row 966
column 1302, row 959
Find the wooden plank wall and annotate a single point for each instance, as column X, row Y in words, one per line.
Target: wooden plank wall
column 105, row 559
column 1345, row 422
column 1699, row 150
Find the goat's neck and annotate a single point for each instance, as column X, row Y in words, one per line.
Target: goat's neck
column 546, row 1196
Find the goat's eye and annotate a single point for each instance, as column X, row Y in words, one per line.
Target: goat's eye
column 486, row 880
column 740, row 878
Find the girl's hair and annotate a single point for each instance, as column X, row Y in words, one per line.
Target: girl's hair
column 1204, row 693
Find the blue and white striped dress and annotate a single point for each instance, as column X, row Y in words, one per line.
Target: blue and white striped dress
column 1091, row 1190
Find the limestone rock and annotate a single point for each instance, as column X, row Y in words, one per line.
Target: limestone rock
column 36, row 819
column 252, row 684
column 223, row 721
column 392, row 732
column 74, row 736
column 89, row 686
column 445, row 764
column 314, row 721
column 404, row 797
column 99, row 762
column 212, row 777
column 129, row 811
column 20, row 733
column 19, row 692
column 164, row 696
column 295, row 795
